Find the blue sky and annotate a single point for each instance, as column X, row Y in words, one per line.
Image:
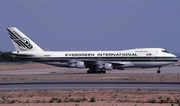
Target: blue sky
column 86, row 25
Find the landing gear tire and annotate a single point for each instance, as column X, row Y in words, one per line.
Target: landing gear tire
column 102, row 71
column 158, row 71
column 93, row 71
column 88, row 71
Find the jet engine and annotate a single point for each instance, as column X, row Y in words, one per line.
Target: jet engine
column 78, row 64
column 106, row 66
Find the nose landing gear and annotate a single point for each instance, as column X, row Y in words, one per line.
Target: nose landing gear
column 158, row 71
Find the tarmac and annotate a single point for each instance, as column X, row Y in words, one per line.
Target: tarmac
column 89, row 85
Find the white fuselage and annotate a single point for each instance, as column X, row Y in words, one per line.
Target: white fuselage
column 145, row 57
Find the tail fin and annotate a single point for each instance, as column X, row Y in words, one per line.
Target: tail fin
column 21, row 42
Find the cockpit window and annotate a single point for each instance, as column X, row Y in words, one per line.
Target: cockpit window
column 165, row 51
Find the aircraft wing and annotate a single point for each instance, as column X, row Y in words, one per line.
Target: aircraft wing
column 114, row 62
column 95, row 62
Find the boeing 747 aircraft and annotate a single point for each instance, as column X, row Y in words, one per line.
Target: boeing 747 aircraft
column 96, row 61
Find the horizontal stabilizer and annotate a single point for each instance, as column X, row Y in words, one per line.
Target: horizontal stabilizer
column 25, row 55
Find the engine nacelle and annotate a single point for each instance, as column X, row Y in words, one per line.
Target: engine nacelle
column 78, row 64
column 108, row 66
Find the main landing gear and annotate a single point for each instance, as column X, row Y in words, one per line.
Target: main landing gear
column 95, row 70
column 158, row 71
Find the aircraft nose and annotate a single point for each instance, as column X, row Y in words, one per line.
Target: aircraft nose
column 176, row 57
